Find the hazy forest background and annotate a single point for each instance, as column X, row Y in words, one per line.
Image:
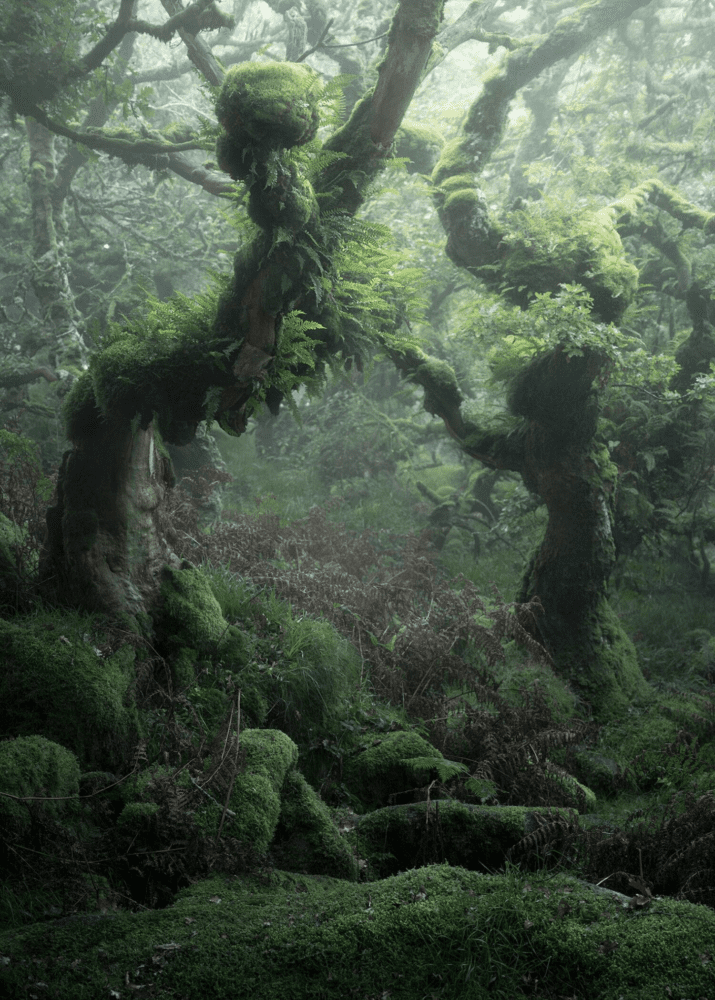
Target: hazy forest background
column 356, row 379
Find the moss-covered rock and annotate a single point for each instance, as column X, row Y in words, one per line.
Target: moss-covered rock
column 294, row 937
column 54, row 682
column 190, row 614
column 390, row 765
column 34, row 766
column 256, row 792
column 396, row 838
column 307, row 838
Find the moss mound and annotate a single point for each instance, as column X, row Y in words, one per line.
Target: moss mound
column 53, row 681
column 433, row 931
column 34, row 766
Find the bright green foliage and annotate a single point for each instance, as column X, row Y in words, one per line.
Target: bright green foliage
column 294, row 937
column 190, row 612
column 547, row 248
column 161, row 363
column 307, row 839
column 33, row 765
column 562, row 320
column 393, row 763
column 53, row 681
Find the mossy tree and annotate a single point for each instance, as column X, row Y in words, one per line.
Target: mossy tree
column 218, row 356
column 532, row 251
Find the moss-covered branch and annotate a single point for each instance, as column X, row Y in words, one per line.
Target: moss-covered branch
column 366, row 139
column 442, row 398
column 476, row 241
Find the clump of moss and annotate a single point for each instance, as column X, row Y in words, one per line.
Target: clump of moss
column 191, row 615
column 55, row 682
column 264, row 107
column 389, row 765
column 545, row 247
column 35, row 766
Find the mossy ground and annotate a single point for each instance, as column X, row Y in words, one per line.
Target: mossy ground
column 437, row 931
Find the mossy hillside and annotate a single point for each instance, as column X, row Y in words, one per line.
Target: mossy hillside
column 55, row 683
column 35, row 766
column 463, row 934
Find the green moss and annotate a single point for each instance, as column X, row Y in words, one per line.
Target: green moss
column 307, row 839
column 396, row 838
column 256, row 791
column 263, row 109
column 159, row 364
column 294, row 937
column 609, row 677
column 269, row 104
column 54, row 683
column 12, row 538
column 79, row 409
column 440, row 385
column 190, row 614
column 547, row 247
column 386, row 767
column 516, row 677
column 454, row 161
column 421, row 145
column 138, row 815
column 33, row 765
column 648, row 742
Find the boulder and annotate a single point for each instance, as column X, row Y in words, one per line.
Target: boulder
column 307, row 838
column 393, row 763
column 397, row 838
column 53, row 681
column 34, row 766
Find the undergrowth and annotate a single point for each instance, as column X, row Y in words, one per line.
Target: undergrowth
column 427, row 648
